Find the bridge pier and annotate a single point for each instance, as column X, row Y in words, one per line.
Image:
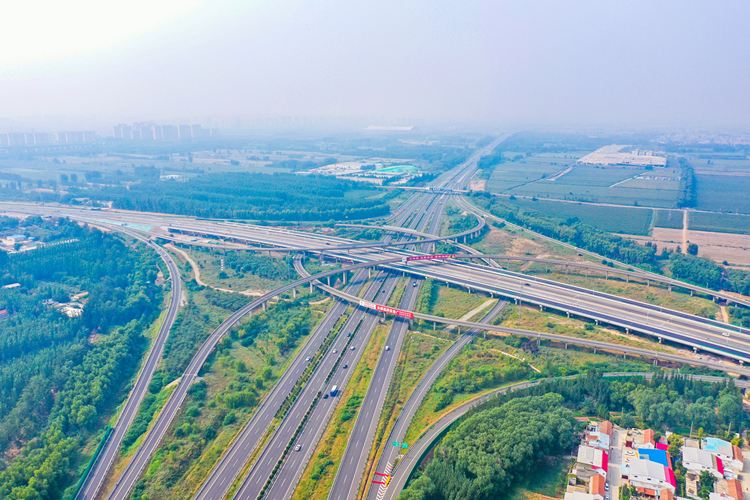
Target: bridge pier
column 568, row 313
column 541, row 307
column 659, row 339
column 294, row 293
column 344, row 276
column 627, row 278
column 596, row 322
column 648, row 283
column 311, row 287
column 369, row 272
column 265, row 306
column 606, row 275
column 566, row 346
column 329, row 281
column 669, row 287
column 691, row 293
column 566, row 269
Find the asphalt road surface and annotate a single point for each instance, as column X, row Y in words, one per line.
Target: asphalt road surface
column 98, row 473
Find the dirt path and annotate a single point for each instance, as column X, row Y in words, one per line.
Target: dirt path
column 725, row 314
column 193, row 264
column 684, row 231
column 514, row 356
column 473, row 312
column 197, row 272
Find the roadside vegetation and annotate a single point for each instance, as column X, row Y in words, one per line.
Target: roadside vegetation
column 235, row 379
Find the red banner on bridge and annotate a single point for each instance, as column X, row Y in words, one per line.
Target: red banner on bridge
column 430, row 257
column 386, row 309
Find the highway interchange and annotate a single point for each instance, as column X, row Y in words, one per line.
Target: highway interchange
column 420, row 213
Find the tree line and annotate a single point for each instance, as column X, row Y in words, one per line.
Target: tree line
column 57, row 385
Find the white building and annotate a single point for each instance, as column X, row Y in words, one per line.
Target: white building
column 697, row 460
column 651, row 475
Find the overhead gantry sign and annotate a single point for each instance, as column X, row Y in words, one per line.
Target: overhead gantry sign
column 386, row 309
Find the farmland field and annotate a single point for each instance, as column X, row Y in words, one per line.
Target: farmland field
column 670, row 219
column 511, row 174
column 723, row 193
column 613, row 219
column 607, row 185
column 721, row 223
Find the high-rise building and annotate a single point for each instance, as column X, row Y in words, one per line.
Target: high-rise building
column 88, row 136
column 170, row 133
column 185, row 132
column 40, row 138
column 16, row 139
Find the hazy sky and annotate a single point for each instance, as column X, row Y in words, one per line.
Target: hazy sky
column 521, row 61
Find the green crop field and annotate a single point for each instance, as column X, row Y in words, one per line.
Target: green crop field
column 671, row 219
column 721, row 223
column 511, row 174
column 723, row 193
column 607, row 218
column 606, row 185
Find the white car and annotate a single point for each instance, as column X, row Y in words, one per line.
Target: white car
column 387, row 348
column 298, row 447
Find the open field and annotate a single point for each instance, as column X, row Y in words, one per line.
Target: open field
column 508, row 175
column 721, row 223
column 720, row 165
column 723, row 193
column 494, row 351
column 454, row 303
column 606, row 218
column 549, row 479
column 669, row 218
column 733, row 248
column 607, row 185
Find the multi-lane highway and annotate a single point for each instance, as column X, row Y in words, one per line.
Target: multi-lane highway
column 389, row 454
column 419, row 209
column 235, row 457
column 98, row 473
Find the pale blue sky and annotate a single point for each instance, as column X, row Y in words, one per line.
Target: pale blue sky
column 649, row 63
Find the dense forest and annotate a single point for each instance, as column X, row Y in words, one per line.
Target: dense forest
column 277, row 197
column 58, row 374
column 484, row 455
column 499, row 441
column 249, row 196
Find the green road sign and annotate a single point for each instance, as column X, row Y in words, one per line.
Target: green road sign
column 404, row 445
column 396, row 443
